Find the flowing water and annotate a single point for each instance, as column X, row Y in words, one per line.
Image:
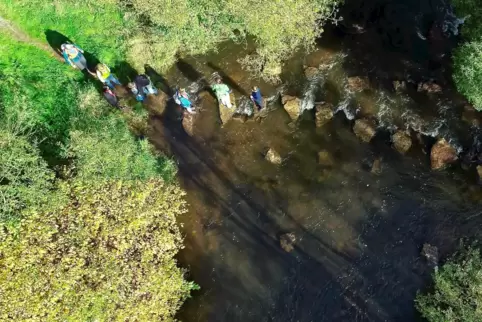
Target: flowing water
column 358, row 234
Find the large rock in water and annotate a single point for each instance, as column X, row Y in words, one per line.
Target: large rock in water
column 287, row 241
column 358, row 84
column 402, row 142
column 273, row 157
column 429, row 87
column 227, row 113
column 442, row 154
column 364, row 129
column 324, row 113
column 292, row 106
column 311, row 72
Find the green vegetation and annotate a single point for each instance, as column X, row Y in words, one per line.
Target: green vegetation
column 468, row 56
column 457, row 290
column 87, row 210
column 106, row 256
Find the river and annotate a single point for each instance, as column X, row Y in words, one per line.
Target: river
column 358, row 234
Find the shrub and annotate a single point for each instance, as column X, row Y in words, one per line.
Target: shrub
column 106, row 256
column 25, row 180
column 468, row 71
column 471, row 10
column 457, row 290
column 106, row 149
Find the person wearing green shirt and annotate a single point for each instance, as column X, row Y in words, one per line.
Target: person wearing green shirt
column 222, row 93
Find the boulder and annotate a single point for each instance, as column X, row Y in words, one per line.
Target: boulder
column 402, row 142
column 273, row 156
column 431, row 254
column 311, row 72
column 429, row 87
column 325, row 158
column 324, row 113
column 293, row 107
column 358, row 84
column 287, row 241
column 442, row 154
column 399, row 86
column 286, row 98
column 364, row 129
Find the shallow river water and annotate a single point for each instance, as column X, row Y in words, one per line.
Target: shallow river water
column 358, row 234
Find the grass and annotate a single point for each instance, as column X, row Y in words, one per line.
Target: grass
column 96, row 26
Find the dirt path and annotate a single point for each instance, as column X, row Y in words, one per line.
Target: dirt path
column 9, row 28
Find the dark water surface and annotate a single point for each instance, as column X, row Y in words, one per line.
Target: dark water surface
column 359, row 234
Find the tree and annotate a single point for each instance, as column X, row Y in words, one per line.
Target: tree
column 106, row 256
column 457, row 290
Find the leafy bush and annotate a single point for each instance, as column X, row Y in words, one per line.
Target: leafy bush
column 25, row 180
column 107, row 256
column 106, row 149
column 468, row 71
column 457, row 291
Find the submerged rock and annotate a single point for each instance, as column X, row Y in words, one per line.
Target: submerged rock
column 188, row 123
column 325, row 158
column 227, row 113
column 311, row 72
column 402, row 142
column 431, row 254
column 358, row 84
column 442, row 154
column 287, row 241
column 273, row 157
column 364, row 129
column 324, row 113
column 292, row 106
column 471, row 116
column 399, row 86
column 479, row 172
column 377, row 166
column 429, row 87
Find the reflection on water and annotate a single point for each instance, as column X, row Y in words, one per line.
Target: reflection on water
column 358, row 234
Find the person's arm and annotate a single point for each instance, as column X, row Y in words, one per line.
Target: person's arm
column 79, row 49
column 99, row 76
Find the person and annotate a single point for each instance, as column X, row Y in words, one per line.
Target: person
column 141, row 87
column 110, row 96
column 105, row 76
column 74, row 56
column 222, row 91
column 182, row 98
column 257, row 98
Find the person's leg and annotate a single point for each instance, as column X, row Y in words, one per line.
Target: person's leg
column 226, row 101
column 113, row 80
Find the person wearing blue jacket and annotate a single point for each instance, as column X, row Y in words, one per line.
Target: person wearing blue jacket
column 74, row 56
column 182, row 99
column 257, row 98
